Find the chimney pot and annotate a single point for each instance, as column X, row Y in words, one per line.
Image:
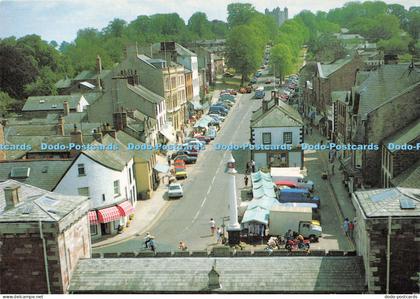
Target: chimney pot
column 66, row 108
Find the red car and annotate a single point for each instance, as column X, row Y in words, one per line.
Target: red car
column 286, row 183
column 206, row 139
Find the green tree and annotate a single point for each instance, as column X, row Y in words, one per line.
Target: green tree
column 219, row 28
column 413, row 24
column 6, row 103
column 44, row 84
column 115, row 28
column 394, row 45
column 281, row 60
column 240, row 13
column 200, row 25
column 242, row 51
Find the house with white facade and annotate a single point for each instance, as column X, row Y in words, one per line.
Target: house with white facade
column 276, row 135
column 107, row 178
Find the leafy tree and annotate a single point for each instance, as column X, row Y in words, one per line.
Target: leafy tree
column 115, row 28
column 44, row 84
column 219, row 28
column 6, row 102
column 200, row 25
column 394, row 45
column 242, row 51
column 240, row 13
column 413, row 24
column 281, row 60
column 15, row 71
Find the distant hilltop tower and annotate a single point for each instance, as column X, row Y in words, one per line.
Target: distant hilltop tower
column 279, row 16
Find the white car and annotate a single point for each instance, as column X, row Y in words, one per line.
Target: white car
column 175, row 190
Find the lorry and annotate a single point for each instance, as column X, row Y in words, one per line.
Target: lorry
column 297, row 195
column 316, row 213
column 298, row 219
column 292, row 174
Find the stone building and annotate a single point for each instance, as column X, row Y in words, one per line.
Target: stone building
column 387, row 236
column 42, row 237
column 280, row 16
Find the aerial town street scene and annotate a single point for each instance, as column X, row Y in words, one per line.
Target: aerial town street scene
column 223, row 148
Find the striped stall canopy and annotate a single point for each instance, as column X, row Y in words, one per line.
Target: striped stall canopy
column 125, row 208
column 109, row 214
column 93, row 217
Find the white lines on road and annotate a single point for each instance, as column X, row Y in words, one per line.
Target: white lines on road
column 212, row 181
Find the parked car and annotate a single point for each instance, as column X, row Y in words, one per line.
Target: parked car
column 221, row 104
column 228, row 75
column 187, row 153
column 211, row 133
column 196, row 144
column 269, row 81
column 218, row 110
column 175, row 190
column 217, row 117
column 227, row 97
column 253, row 80
column 180, row 169
column 187, row 159
column 232, row 92
column 258, row 74
column 203, row 138
column 226, row 102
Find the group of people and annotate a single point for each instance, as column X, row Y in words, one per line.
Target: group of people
column 348, row 227
column 216, row 230
column 250, row 166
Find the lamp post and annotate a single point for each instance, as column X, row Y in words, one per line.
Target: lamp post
column 234, row 228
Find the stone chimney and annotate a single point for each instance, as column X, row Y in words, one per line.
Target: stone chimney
column 60, row 126
column 120, row 120
column 2, row 141
column 11, row 196
column 98, row 64
column 76, row 137
column 265, row 105
column 110, row 131
column 214, row 278
column 66, row 108
column 97, row 135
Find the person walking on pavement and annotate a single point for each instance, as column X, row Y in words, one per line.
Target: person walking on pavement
column 147, row 239
column 346, row 226
column 351, row 229
column 212, row 226
column 246, row 180
column 169, row 160
column 182, row 246
column 253, row 165
column 219, row 234
column 332, row 169
column 152, row 244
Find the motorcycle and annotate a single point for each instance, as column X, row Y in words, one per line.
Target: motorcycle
column 273, row 243
column 294, row 244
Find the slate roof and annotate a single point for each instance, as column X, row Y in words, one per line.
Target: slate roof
column 339, row 96
column 325, row 70
column 90, row 75
column 146, row 93
column 237, row 275
column 63, row 83
column 407, row 135
column 44, row 174
column 386, row 202
column 42, row 103
column 385, row 83
column 115, row 160
column 37, row 204
column 125, row 139
column 91, row 97
column 410, row 178
column 281, row 115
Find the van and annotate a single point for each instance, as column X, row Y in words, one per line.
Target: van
column 260, row 93
column 297, row 195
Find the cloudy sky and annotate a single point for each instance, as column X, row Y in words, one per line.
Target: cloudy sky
column 60, row 19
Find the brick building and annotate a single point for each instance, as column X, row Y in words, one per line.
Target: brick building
column 336, row 76
column 388, row 238
column 42, row 237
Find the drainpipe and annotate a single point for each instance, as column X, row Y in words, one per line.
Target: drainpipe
column 388, row 254
column 45, row 257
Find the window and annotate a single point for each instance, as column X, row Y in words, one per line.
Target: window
column 167, row 83
column 266, row 137
column 103, row 197
column 117, row 187
column 173, row 82
column 81, row 169
column 84, row 191
column 129, row 173
column 287, row 137
column 93, row 229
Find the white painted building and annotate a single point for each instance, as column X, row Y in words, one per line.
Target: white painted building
column 278, row 128
column 107, row 177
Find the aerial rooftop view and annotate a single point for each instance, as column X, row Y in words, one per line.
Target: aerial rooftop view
column 222, row 147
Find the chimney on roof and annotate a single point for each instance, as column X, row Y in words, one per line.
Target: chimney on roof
column 66, row 108
column 2, row 141
column 76, row 137
column 97, row 135
column 110, row 131
column 60, row 125
column 11, row 196
column 275, row 97
column 98, row 64
column 214, row 278
column 265, row 106
column 120, row 120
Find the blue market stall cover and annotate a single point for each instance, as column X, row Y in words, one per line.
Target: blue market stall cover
column 256, row 214
column 265, row 202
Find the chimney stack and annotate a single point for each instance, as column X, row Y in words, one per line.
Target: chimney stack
column 275, row 96
column 66, row 108
column 265, row 106
column 98, row 64
column 97, row 135
column 214, row 278
column 76, row 137
column 120, row 120
column 2, row 141
column 11, row 196
column 60, row 125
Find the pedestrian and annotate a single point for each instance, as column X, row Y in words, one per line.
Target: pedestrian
column 246, row 181
column 147, row 240
column 346, row 226
column 182, row 246
column 169, row 160
column 219, row 234
column 247, row 167
column 351, row 229
column 253, row 165
column 152, row 244
column 332, row 169
column 212, row 226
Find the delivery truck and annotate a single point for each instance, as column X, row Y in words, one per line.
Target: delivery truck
column 298, row 219
column 292, row 174
column 297, row 195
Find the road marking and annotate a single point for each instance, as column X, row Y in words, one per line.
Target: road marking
column 212, row 181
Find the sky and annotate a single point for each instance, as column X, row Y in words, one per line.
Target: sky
column 60, row 20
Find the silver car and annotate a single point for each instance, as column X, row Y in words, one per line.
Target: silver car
column 175, row 190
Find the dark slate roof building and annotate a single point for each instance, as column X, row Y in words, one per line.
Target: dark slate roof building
column 235, row 275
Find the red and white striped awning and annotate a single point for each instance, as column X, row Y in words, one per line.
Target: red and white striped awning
column 109, row 214
column 125, row 208
column 93, row 217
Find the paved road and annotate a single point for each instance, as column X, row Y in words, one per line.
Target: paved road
column 188, row 218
